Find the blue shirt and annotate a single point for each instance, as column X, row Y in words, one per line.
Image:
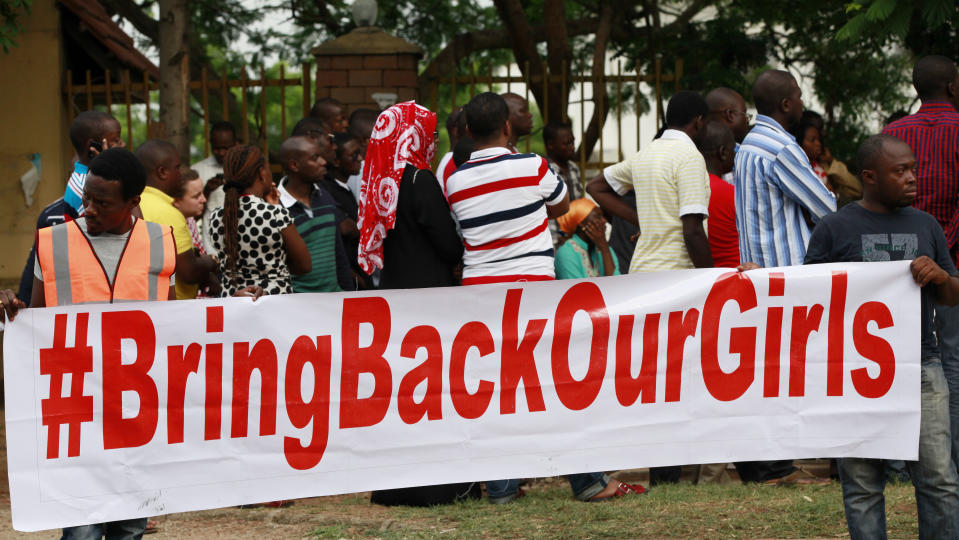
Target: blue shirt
column 774, row 183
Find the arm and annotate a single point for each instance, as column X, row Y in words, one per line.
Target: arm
column 609, row 201
column 38, row 297
column 558, row 209
column 344, row 272
column 796, row 179
column 191, row 267
column 697, row 244
column 553, row 190
column 297, row 254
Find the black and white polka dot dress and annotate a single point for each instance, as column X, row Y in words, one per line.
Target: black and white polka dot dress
column 262, row 260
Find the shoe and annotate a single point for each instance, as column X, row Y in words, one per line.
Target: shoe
column 506, row 499
column 622, row 490
column 274, row 504
column 279, row 504
column 799, row 477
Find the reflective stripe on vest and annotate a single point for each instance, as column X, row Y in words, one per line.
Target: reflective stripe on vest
column 72, row 273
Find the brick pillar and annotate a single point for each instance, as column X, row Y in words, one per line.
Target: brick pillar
column 366, row 61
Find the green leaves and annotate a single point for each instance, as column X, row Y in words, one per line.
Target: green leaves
column 11, row 15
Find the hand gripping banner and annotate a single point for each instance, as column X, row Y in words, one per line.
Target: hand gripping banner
column 131, row 410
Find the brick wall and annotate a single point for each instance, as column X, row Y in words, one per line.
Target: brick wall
column 353, row 79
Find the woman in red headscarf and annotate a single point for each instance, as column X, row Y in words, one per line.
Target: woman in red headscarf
column 407, row 231
column 405, row 224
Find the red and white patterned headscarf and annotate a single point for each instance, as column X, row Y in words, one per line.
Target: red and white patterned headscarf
column 403, row 134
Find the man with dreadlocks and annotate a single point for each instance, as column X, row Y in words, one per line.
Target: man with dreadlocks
column 253, row 232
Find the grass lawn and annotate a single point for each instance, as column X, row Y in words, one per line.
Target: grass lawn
column 678, row 511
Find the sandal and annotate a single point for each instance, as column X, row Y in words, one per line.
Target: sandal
column 622, row 490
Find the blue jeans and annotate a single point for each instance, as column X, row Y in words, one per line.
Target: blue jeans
column 127, row 529
column 947, row 329
column 585, row 486
column 937, row 486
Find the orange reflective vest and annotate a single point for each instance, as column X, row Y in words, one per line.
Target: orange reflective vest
column 72, row 273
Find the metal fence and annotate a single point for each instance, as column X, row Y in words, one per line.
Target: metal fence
column 125, row 93
column 583, row 82
column 121, row 95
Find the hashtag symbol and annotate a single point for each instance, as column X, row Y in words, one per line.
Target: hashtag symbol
column 74, row 408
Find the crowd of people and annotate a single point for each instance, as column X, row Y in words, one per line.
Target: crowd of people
column 359, row 207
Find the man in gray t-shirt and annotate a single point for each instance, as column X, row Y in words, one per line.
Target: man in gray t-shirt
column 884, row 227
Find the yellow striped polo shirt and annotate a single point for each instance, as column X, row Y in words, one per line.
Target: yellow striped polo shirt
column 671, row 181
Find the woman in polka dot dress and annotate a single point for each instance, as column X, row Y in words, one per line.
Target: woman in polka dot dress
column 255, row 235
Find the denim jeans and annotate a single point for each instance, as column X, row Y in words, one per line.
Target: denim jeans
column 127, row 529
column 947, row 329
column 937, row 486
column 584, row 485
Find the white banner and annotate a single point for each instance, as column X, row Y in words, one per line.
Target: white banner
column 131, row 410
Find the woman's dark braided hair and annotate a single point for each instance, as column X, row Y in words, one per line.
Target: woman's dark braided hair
column 241, row 168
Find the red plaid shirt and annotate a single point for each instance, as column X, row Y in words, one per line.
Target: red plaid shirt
column 933, row 134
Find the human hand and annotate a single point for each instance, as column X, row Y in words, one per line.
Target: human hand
column 10, row 304
column 253, row 290
column 747, row 266
column 272, row 196
column 595, row 230
column 925, row 271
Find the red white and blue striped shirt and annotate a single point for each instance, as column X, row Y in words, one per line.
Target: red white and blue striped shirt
column 500, row 199
column 933, row 134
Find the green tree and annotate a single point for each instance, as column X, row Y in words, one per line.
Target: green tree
column 12, row 13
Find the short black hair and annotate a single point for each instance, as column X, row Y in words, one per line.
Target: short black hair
column 154, row 153
column 365, row 118
column 552, row 129
column 87, row 126
column 486, row 114
column 463, row 149
column 715, row 134
column 223, row 125
column 870, row 150
column 322, row 108
column 770, row 89
column 120, row 165
column 931, row 75
column 340, row 139
column 308, row 124
column 684, row 107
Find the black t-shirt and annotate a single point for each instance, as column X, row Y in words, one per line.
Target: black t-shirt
column 854, row 234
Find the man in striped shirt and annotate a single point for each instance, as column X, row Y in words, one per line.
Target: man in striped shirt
column 502, row 201
column 775, row 188
column 775, row 183
column 933, row 134
column 315, row 216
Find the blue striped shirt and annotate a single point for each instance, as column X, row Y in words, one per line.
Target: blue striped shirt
column 774, row 183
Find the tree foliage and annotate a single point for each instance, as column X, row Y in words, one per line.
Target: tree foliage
column 12, row 13
column 857, row 78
